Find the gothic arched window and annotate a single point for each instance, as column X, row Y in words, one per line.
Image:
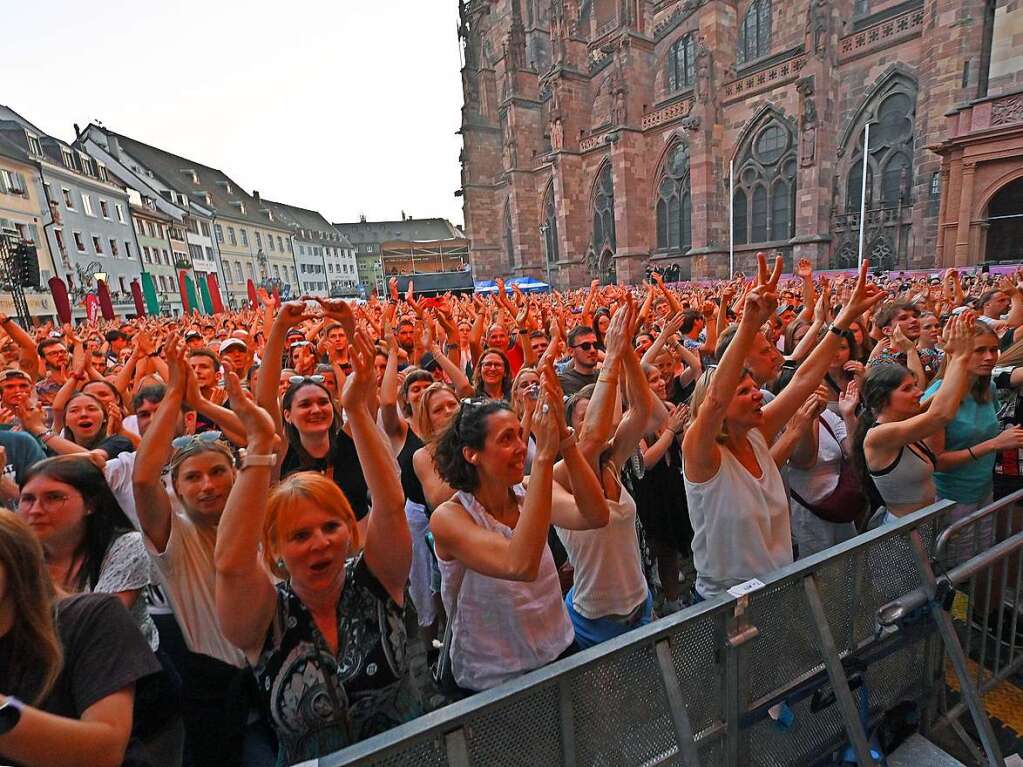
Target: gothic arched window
column 604, row 211
column 755, row 32
column 681, row 63
column 675, row 203
column 891, row 114
column 765, row 184
column 550, row 227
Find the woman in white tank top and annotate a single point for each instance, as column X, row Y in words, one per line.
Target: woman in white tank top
column 498, row 579
column 610, row 595
column 737, row 501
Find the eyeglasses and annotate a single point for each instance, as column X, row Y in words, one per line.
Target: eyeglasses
column 586, row 346
column 194, row 440
column 317, row 379
column 48, row 502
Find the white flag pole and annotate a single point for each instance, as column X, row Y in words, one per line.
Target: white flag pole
column 863, row 192
column 731, row 218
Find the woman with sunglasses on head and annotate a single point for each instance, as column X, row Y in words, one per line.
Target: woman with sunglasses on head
column 180, row 527
column 737, row 500
column 498, row 578
column 68, row 666
column 327, row 641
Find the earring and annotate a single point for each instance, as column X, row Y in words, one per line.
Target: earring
column 280, row 564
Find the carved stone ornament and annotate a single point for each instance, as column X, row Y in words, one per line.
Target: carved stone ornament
column 690, row 123
column 557, row 135
column 1007, row 110
column 704, row 86
column 818, row 26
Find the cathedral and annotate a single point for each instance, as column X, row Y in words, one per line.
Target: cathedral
column 602, row 138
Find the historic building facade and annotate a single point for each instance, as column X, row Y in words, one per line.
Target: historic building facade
column 604, row 136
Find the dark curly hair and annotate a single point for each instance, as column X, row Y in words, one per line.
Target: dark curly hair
column 467, row 429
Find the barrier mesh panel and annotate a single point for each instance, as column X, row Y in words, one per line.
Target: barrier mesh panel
column 890, row 573
column 835, row 582
column 700, row 671
column 712, row 753
column 780, row 654
column 428, row 752
column 621, row 711
column 901, row 676
column 525, row 731
column 810, row 736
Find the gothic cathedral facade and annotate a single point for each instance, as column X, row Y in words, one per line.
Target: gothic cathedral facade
column 603, row 137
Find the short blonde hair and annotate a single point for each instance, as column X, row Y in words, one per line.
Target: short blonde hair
column 284, row 499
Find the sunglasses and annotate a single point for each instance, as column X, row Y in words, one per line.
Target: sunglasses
column 317, row 379
column 193, row 440
column 586, row 346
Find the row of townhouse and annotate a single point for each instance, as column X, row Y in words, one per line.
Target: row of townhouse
column 110, row 204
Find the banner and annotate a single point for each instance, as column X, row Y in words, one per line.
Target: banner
column 204, row 294
column 193, row 301
column 91, row 306
column 253, row 298
column 211, row 282
column 186, row 307
column 106, row 306
column 136, row 296
column 149, row 291
column 60, row 299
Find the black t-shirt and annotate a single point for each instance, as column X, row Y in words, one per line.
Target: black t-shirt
column 341, row 464
column 572, row 381
column 104, row 652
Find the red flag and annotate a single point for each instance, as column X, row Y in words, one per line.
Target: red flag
column 91, row 305
column 60, row 300
column 211, row 283
column 185, row 308
column 253, row 298
column 105, row 304
column 136, row 294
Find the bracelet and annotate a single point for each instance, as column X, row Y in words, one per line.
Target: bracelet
column 833, row 328
column 972, row 454
column 251, row 460
column 46, row 436
column 607, row 379
column 568, row 441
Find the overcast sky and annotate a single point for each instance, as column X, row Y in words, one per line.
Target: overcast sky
column 345, row 107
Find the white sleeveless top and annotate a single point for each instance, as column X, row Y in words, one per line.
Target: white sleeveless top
column 502, row 628
column 741, row 524
column 609, row 576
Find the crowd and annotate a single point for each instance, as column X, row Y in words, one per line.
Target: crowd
column 223, row 537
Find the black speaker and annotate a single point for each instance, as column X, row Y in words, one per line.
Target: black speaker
column 26, row 265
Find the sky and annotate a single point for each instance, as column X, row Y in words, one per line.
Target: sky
column 349, row 108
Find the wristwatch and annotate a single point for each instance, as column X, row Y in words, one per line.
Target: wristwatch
column 10, row 714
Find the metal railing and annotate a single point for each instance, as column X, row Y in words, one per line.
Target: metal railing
column 977, row 557
column 785, row 671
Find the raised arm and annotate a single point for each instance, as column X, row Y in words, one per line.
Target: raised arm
column 600, row 412
column 244, row 593
column 394, row 425
column 700, row 447
column 812, row 371
column 151, row 501
column 291, row 314
column 488, row 552
column 455, row 372
column 29, row 359
column 805, row 272
column 388, row 545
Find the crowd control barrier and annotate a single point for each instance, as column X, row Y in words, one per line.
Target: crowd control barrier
column 784, row 671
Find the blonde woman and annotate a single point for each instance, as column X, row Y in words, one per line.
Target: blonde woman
column 327, row 642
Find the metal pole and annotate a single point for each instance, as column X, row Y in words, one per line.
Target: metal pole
column 731, row 218
column 863, row 192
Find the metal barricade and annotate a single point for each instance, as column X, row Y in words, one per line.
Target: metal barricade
column 705, row 686
column 979, row 563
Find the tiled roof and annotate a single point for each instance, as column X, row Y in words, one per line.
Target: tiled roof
column 409, row 230
column 226, row 197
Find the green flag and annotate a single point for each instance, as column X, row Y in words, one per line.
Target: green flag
column 204, row 291
column 193, row 301
column 149, row 292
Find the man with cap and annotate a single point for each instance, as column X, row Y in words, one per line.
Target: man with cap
column 15, row 388
column 236, row 352
column 194, row 340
